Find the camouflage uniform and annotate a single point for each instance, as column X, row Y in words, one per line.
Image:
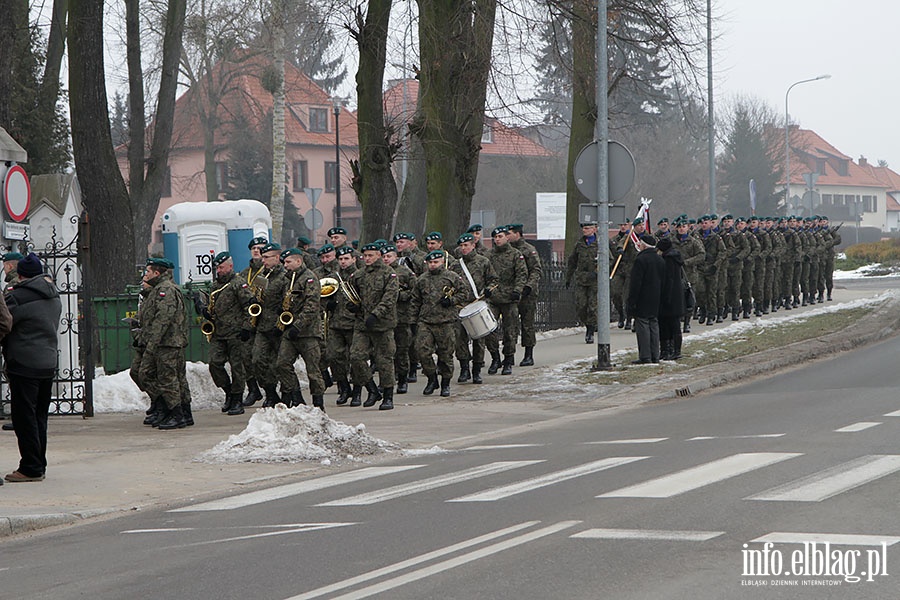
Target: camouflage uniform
column 773, row 269
column 622, row 279
column 437, row 323
column 229, row 298
column 833, row 240
column 484, row 276
column 414, row 259
column 790, row 266
column 509, row 264
column 339, row 335
column 748, row 272
column 249, row 275
column 715, row 255
column 694, row 255
column 302, row 336
column 12, row 278
column 764, row 242
column 378, row 287
column 617, row 287
column 268, row 336
column 405, row 319
column 817, row 257
column 582, row 267
column 528, row 303
column 163, row 337
column 738, row 251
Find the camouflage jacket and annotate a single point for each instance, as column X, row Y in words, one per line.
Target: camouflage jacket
column 765, row 243
column 692, row 252
column 163, row 317
column 480, row 269
column 627, row 250
column 715, row 252
column 407, row 283
column 272, row 299
column 12, row 278
column 778, row 244
column 229, row 299
column 414, row 259
column 509, row 264
column 304, row 302
column 792, row 245
column 755, row 247
column 378, row 287
column 328, row 269
column 533, row 262
column 582, row 263
column 339, row 316
column 431, row 288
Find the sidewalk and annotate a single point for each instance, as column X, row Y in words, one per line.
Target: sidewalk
column 113, row 464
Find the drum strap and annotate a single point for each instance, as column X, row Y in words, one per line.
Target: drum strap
column 465, row 269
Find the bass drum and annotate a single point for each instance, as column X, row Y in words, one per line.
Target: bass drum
column 477, row 319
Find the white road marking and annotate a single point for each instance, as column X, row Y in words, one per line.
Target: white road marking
column 699, row 476
column 831, row 482
column 837, row 539
column 632, row 441
column 301, row 529
column 896, row 413
column 735, row 437
column 414, row 487
column 503, row 446
column 647, row 534
column 399, row 566
column 534, row 483
column 160, row 530
column 455, row 562
column 293, row 489
column 861, row 426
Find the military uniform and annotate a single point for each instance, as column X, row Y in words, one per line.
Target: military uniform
column 581, row 267
column 748, row 271
column 405, row 320
column 249, row 275
column 764, row 241
column 509, row 264
column 772, row 297
column 436, row 300
column 528, row 303
column 484, row 277
column 715, row 255
column 694, row 256
column 833, row 240
column 268, row 336
column 617, row 283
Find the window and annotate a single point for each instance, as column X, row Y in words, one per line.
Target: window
column 318, row 119
column 838, row 200
column 487, row 134
column 870, row 203
column 221, row 177
column 166, row 191
column 826, row 200
column 299, row 176
column 330, row 176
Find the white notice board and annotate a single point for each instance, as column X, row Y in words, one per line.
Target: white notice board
column 551, row 215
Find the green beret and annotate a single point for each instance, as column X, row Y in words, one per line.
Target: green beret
column 12, row 256
column 271, row 246
column 466, row 237
column 692, row 221
column 434, row 235
column 159, row 261
column 403, row 236
column 388, row 248
column 344, row 250
column 474, row 228
column 371, row 248
column 325, row 249
column 355, row 243
column 741, row 220
column 292, row 252
column 517, row 227
column 499, row 229
column 303, row 241
column 380, row 242
column 663, row 220
column 335, row 230
column 638, row 221
column 220, row 258
column 713, row 217
column 258, row 241
column 434, row 255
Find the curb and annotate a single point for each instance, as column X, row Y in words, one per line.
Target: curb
column 15, row 525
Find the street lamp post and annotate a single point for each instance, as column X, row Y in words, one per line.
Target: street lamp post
column 336, row 103
column 787, row 141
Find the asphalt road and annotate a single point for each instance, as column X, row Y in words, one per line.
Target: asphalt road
column 673, row 500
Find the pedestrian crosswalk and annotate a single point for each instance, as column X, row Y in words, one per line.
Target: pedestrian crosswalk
column 817, row 486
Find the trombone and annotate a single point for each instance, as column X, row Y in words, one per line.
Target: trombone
column 348, row 289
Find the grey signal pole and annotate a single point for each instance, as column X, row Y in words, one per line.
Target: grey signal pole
column 602, row 137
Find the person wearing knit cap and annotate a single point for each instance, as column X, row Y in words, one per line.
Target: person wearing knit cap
column 30, row 355
column 646, row 281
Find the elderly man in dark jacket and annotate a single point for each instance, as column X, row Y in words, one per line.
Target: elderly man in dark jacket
column 644, row 291
column 30, row 352
column 671, row 302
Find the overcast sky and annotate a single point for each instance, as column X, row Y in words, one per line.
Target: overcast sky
column 766, row 45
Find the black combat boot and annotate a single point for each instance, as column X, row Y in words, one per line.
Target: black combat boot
column 431, row 385
column 821, row 297
column 271, row 396
column 464, row 373
column 719, row 315
column 589, row 335
column 188, row 413
column 528, row 361
column 237, row 407
column 796, row 301
column 402, row 386
column 507, row 364
column 734, row 314
column 356, row 396
column 295, row 398
column 747, row 307
column 621, row 323
column 495, row 364
column 445, row 386
column 226, row 404
column 174, row 419
column 805, row 299
column 326, row 377
column 412, row 377
column 829, row 295
column 627, row 322
column 343, row 392
column 253, row 393
column 476, row 373
column 387, row 399
column 686, row 328
column 153, row 413
column 701, row 315
column 319, row 402
column 374, row 394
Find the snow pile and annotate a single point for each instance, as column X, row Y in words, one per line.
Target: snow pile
column 868, row 271
column 297, row 434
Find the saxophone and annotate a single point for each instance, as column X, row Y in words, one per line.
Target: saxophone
column 287, row 317
column 258, row 289
column 208, row 327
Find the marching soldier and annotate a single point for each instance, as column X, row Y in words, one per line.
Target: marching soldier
column 715, row 255
column 833, row 240
column 662, row 229
column 409, row 253
column 477, row 231
column 748, row 266
column 435, row 241
column 582, row 266
column 509, row 264
column 249, row 275
column 163, row 337
column 436, row 300
column 616, row 284
column 328, row 265
column 627, row 250
column 482, row 277
column 764, row 243
column 694, row 255
column 227, row 312
column 772, row 298
column 301, row 323
column 376, row 317
column 405, row 318
column 267, row 341
column 528, row 303
column 339, row 334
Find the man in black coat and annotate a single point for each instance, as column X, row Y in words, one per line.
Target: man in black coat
column 645, row 289
column 671, row 304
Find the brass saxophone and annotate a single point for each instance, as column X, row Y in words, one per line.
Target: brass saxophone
column 255, row 309
column 287, row 317
column 208, row 328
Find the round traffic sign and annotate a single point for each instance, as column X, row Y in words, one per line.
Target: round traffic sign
column 621, row 171
column 313, row 219
column 17, row 193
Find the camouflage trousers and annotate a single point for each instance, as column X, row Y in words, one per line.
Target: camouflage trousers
column 436, row 339
column 380, row 346
column 463, row 354
column 135, row 371
column 288, row 351
column 708, row 294
column 527, row 311
column 403, row 342
column 770, row 277
column 795, row 278
column 733, row 294
column 508, row 316
column 722, row 287
column 758, row 285
column 804, row 275
column 586, row 304
column 265, row 354
column 828, row 273
column 231, row 351
column 161, row 374
column 813, row 284
column 617, row 295
column 337, row 352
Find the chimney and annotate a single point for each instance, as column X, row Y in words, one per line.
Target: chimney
column 863, row 162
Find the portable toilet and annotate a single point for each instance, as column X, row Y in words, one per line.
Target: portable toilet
column 194, row 232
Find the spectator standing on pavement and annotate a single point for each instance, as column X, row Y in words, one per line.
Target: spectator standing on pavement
column 671, row 302
column 30, row 353
column 11, row 278
column 645, row 288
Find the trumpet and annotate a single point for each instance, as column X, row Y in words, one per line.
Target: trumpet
column 329, row 285
column 287, row 317
column 348, row 289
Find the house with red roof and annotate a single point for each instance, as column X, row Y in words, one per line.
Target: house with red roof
column 892, row 198
column 824, row 180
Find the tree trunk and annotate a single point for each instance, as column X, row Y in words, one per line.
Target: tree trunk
column 584, row 106
column 104, row 192
column 279, row 170
column 455, row 46
column 136, row 110
column 56, row 44
column 373, row 177
column 13, row 32
column 413, row 203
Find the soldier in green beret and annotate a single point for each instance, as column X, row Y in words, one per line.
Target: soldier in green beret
column 512, row 274
column 268, row 336
column 405, row 319
column 339, row 332
column 250, row 275
column 528, row 303
column 483, row 277
column 582, row 267
column 10, row 262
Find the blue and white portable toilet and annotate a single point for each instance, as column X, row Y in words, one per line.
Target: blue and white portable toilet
column 194, row 232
